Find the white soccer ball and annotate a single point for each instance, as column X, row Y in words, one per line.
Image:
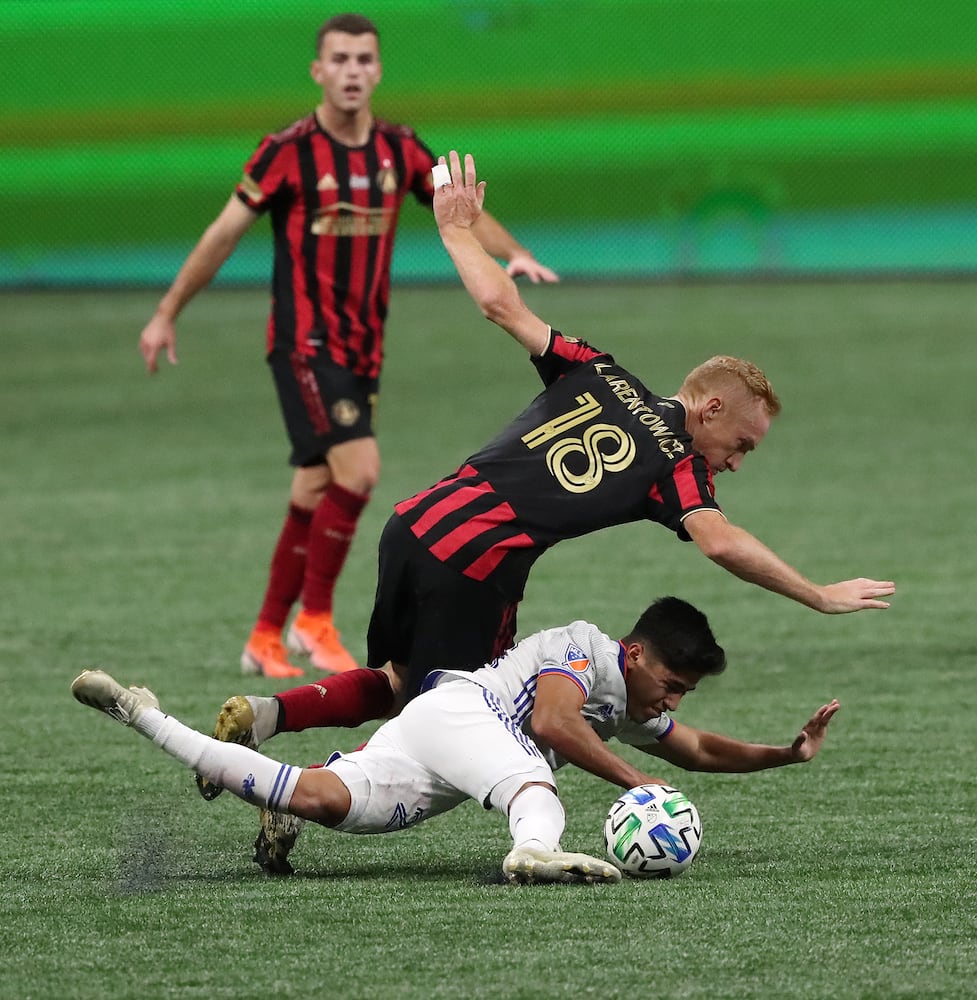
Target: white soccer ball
column 652, row 831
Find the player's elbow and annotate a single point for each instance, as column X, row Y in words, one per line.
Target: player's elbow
column 719, row 552
column 548, row 729
column 715, row 537
column 716, row 546
column 500, row 305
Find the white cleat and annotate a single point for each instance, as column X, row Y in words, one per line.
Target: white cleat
column 100, row 690
column 529, row 865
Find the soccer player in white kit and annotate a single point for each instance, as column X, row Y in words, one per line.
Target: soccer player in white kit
column 495, row 735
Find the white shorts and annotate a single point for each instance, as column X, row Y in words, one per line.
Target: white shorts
column 449, row 744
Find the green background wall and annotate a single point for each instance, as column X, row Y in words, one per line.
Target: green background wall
column 663, row 137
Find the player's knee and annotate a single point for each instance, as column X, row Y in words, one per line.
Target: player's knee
column 355, row 465
column 505, row 792
column 361, row 481
column 309, row 486
column 320, row 796
column 368, row 478
column 533, row 784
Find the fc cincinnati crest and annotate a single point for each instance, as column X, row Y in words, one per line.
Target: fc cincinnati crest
column 575, row 658
column 345, row 412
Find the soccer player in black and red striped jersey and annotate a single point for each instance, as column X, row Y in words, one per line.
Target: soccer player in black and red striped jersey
column 333, row 184
column 594, row 449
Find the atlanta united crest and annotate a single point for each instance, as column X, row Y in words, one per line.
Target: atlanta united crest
column 345, row 412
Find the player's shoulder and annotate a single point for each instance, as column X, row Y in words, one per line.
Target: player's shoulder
column 562, row 345
column 292, row 133
column 588, row 636
column 585, row 647
column 579, row 625
column 396, row 129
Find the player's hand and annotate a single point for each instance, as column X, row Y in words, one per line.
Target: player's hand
column 158, row 334
column 460, row 202
column 528, row 265
column 855, row 595
column 811, row 736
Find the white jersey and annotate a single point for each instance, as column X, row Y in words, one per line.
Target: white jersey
column 469, row 735
column 583, row 654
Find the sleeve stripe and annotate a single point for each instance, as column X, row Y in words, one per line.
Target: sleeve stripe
column 569, row 674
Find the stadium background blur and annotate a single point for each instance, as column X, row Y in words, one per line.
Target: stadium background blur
column 646, row 138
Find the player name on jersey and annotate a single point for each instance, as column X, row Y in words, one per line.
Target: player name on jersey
column 628, row 395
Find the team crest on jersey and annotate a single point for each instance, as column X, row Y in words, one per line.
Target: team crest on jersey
column 327, row 183
column 387, row 178
column 575, row 658
column 345, row 412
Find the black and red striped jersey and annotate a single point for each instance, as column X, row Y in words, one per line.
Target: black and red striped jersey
column 594, row 449
column 334, row 213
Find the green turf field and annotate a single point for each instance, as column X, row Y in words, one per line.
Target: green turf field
column 137, row 519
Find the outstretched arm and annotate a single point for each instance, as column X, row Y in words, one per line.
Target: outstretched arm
column 737, row 551
column 203, row 262
column 558, row 724
column 698, row 750
column 457, row 209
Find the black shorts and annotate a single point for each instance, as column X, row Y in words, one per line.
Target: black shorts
column 322, row 404
column 428, row 617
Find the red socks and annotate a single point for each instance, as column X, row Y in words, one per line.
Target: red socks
column 347, row 700
column 330, row 536
column 309, row 555
column 287, row 568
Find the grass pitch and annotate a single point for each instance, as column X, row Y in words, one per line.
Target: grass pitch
column 138, row 517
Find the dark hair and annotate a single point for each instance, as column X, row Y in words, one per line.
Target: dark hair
column 679, row 635
column 348, row 24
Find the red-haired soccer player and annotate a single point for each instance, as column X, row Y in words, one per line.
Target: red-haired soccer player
column 596, row 448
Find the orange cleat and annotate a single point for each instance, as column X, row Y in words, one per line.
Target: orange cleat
column 264, row 654
column 314, row 634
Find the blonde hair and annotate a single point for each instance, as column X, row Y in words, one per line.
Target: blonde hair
column 723, row 370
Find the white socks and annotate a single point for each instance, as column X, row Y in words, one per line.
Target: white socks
column 245, row 773
column 537, row 818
